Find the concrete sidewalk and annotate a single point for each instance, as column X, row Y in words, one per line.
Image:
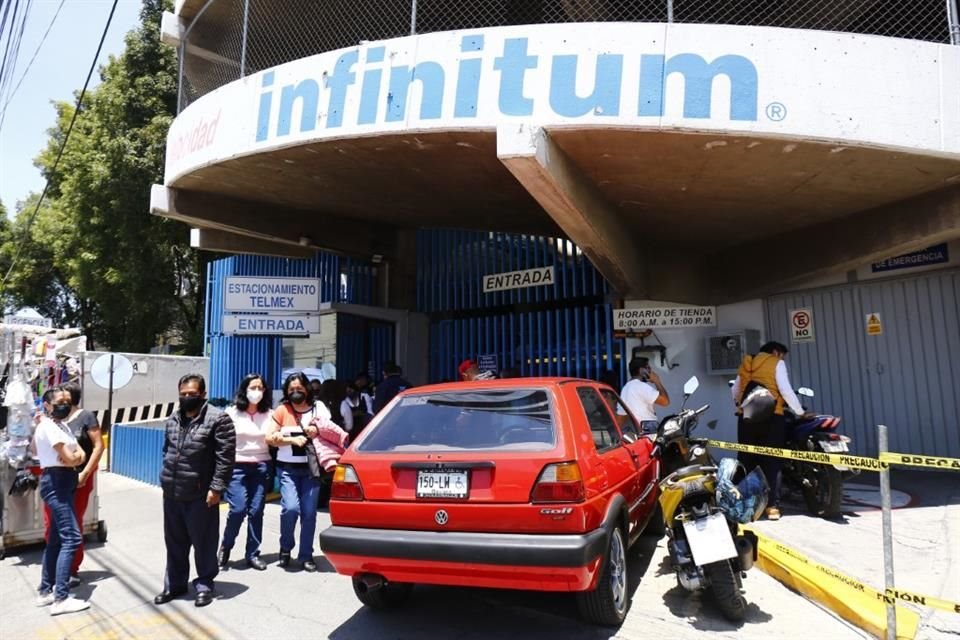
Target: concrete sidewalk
column 122, row 576
column 926, row 528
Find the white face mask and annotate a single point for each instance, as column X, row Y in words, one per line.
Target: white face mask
column 254, row 396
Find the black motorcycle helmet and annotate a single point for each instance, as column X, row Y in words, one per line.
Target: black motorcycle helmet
column 758, row 405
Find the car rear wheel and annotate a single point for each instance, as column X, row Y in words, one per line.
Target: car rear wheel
column 388, row 596
column 607, row 604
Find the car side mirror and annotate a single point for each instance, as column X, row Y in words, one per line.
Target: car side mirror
column 629, row 437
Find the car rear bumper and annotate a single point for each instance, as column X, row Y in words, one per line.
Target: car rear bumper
column 511, row 561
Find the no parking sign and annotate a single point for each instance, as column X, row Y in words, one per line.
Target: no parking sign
column 801, row 325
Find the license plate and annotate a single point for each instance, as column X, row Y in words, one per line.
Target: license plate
column 834, row 446
column 442, row 484
column 710, row 539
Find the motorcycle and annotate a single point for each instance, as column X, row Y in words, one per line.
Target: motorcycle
column 702, row 507
column 821, row 485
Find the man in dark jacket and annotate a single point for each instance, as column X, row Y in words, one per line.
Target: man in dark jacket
column 198, row 455
column 393, row 383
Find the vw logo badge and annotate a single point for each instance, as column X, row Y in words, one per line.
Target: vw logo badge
column 441, row 517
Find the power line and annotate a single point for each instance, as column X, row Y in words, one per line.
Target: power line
column 3, row 114
column 63, row 145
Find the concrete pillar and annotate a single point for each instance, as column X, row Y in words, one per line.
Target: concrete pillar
column 575, row 204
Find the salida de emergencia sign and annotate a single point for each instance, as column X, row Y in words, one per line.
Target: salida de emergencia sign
column 663, row 318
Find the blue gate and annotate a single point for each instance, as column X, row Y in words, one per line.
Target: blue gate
column 232, row 357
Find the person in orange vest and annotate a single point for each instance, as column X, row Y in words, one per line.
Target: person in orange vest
column 763, row 423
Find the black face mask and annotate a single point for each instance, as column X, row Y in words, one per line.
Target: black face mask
column 191, row 403
column 60, row 411
column 297, row 397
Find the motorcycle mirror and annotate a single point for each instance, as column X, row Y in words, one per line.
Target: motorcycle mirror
column 805, row 391
column 712, row 424
column 690, row 387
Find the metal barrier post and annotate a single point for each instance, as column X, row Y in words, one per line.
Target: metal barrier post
column 953, row 21
column 413, row 17
column 243, row 43
column 887, row 536
column 669, row 10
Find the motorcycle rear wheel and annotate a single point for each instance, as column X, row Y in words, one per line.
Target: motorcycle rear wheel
column 726, row 590
column 824, row 494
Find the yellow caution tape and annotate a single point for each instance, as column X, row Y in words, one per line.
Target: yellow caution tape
column 913, row 460
column 890, row 595
column 848, row 597
column 839, row 459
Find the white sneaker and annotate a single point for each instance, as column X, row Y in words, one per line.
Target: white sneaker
column 45, row 599
column 68, row 605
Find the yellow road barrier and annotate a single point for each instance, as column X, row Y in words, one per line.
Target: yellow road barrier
column 848, row 597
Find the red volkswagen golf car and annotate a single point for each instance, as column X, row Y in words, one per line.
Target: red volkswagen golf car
column 536, row 483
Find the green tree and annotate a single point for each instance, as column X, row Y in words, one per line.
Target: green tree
column 126, row 276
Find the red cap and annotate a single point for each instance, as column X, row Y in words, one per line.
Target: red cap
column 465, row 365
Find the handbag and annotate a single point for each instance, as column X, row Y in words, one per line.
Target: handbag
column 313, row 462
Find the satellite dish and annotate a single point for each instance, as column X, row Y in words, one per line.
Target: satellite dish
column 122, row 371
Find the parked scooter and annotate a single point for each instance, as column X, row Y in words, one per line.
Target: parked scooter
column 702, row 507
column 821, row 485
column 677, row 448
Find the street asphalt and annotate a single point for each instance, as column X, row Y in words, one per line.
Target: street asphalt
column 122, row 576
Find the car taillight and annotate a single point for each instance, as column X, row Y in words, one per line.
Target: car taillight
column 346, row 484
column 559, row 482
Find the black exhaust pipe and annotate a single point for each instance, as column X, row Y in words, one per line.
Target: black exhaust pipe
column 368, row 582
column 746, row 552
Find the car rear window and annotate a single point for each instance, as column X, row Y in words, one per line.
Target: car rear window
column 511, row 420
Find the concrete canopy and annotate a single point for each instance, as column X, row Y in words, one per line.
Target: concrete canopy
column 678, row 201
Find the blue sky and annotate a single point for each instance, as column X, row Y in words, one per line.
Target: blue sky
column 59, row 70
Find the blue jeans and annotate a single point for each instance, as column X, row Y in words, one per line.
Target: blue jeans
column 298, row 499
column 246, row 495
column 57, row 485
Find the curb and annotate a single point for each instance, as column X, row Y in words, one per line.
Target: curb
column 852, row 600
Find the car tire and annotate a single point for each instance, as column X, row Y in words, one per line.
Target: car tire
column 609, row 601
column 389, row 596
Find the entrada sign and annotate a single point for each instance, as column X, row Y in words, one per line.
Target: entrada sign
column 519, row 279
column 278, row 325
column 257, row 293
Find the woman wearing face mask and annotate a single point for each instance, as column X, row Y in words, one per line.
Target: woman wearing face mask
column 60, row 455
column 251, row 470
column 288, row 430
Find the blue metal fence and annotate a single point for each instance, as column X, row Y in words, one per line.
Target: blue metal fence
column 363, row 344
column 574, row 341
column 451, row 265
column 232, row 357
column 136, row 450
